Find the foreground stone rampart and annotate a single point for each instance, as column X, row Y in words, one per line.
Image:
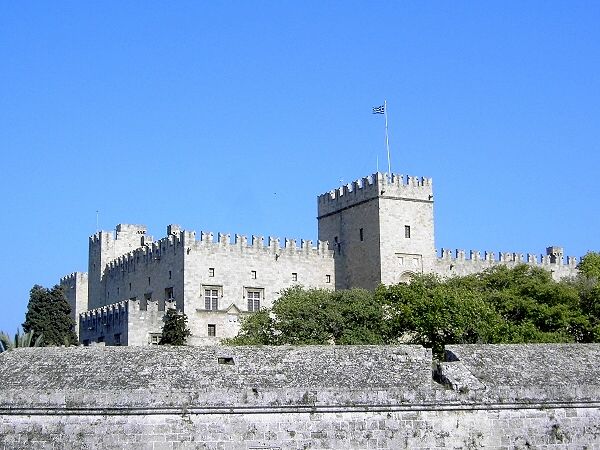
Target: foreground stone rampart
column 503, row 396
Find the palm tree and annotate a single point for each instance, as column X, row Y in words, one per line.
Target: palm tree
column 20, row 340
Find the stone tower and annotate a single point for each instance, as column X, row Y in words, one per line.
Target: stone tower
column 380, row 228
column 104, row 247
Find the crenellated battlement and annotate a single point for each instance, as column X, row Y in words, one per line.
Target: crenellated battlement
column 151, row 252
column 374, row 186
column 257, row 243
column 122, row 308
column 178, row 240
column 73, row 278
column 459, row 255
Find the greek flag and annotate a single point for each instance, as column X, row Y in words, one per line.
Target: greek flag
column 379, row 109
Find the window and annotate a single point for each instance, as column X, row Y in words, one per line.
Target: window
column 253, row 300
column 154, row 338
column 407, row 231
column 169, row 293
column 211, row 271
column 170, row 274
column 361, row 234
column 327, row 278
column 211, row 299
column 294, row 276
column 212, row 330
column 130, row 287
column 148, row 281
column 401, row 260
column 253, row 274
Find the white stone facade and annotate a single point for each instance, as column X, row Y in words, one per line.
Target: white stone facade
column 375, row 230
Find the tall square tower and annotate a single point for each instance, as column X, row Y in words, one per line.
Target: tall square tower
column 380, row 228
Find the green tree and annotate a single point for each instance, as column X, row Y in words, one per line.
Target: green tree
column 256, row 329
column 48, row 313
column 434, row 313
column 590, row 265
column 20, row 340
column 315, row 317
column 175, row 330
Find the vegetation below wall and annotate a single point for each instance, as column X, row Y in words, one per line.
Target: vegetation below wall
column 500, row 305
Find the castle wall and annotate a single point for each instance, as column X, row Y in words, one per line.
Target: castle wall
column 406, row 202
column 153, row 272
column 460, row 263
column 123, row 323
column 488, row 396
column 357, row 261
column 236, row 270
column 380, row 228
column 104, row 247
column 536, row 427
column 75, row 287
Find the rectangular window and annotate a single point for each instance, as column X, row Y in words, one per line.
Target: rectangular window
column 327, row 278
column 294, row 276
column 254, row 297
column 253, row 274
column 361, row 234
column 407, row 231
column 212, row 330
column 211, row 271
column 211, row 299
column 129, row 286
column 154, row 338
column 170, row 274
column 169, row 293
column 148, row 281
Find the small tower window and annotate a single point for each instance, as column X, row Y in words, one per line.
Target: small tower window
column 407, row 231
column 253, row 274
column 361, row 234
column 212, row 330
column 211, row 272
column 327, row 278
column 294, row 276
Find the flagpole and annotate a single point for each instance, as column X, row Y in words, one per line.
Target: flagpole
column 387, row 142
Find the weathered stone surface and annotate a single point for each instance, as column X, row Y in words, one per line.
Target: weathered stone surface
column 299, row 397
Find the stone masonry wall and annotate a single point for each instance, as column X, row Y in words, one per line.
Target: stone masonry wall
column 502, row 396
column 236, row 268
column 75, row 287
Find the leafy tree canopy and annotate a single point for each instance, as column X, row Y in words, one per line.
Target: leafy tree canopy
column 175, row 330
column 590, row 265
column 500, row 305
column 48, row 313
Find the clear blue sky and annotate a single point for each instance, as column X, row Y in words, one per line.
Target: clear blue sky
column 234, row 116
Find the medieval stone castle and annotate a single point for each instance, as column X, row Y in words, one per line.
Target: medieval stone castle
column 379, row 229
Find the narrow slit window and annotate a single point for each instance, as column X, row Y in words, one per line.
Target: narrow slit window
column 362, row 235
column 407, row 231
